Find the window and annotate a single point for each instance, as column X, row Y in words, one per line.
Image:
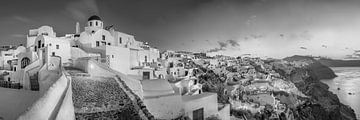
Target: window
column 145, row 58
column 103, row 43
column 96, row 23
column 35, row 48
column 24, row 62
column 14, row 68
column 109, row 43
column 146, row 75
column 53, row 53
column 50, row 44
column 57, row 46
column 43, row 45
column 97, row 43
column 39, row 44
column 198, row 114
column 171, row 65
column 90, row 23
column 112, row 56
column 103, row 37
column 120, row 41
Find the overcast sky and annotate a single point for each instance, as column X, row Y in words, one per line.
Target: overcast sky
column 275, row 28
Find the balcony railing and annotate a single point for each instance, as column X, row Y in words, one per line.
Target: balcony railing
column 10, row 84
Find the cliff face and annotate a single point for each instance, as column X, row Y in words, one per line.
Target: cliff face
column 322, row 104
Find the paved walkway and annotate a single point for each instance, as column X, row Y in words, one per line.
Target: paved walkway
column 100, row 98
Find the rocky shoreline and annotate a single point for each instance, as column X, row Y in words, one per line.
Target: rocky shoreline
column 325, row 104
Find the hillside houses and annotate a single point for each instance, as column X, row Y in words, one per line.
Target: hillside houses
column 165, row 82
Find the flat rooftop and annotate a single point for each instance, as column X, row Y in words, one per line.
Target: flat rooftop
column 156, row 87
column 187, row 98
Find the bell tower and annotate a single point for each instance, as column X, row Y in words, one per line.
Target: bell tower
column 94, row 23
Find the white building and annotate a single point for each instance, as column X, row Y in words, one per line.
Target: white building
column 34, row 33
column 165, row 101
column 53, row 46
column 121, row 51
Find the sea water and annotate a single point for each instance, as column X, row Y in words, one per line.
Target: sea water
column 346, row 86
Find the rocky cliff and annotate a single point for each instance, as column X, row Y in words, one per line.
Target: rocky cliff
column 322, row 104
column 321, row 71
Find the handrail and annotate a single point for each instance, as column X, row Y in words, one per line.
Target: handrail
column 60, row 103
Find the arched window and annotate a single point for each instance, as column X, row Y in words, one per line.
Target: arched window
column 103, row 37
column 90, row 23
column 96, row 23
column 25, row 62
column 145, row 58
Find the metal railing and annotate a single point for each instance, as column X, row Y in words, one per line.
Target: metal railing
column 10, row 84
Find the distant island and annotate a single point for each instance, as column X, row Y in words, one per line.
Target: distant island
column 339, row 63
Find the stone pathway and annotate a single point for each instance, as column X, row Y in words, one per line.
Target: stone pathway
column 100, row 98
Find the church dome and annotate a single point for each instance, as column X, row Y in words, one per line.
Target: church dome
column 94, row 17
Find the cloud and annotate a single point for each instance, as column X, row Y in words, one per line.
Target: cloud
column 228, row 43
column 23, row 19
column 355, row 55
column 215, row 50
column 233, row 43
column 91, row 6
column 303, row 48
column 222, row 44
column 81, row 9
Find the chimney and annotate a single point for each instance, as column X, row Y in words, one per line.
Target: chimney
column 77, row 28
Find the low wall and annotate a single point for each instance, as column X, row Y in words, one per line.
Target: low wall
column 66, row 111
column 56, row 102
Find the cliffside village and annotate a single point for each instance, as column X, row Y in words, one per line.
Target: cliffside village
column 171, row 84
